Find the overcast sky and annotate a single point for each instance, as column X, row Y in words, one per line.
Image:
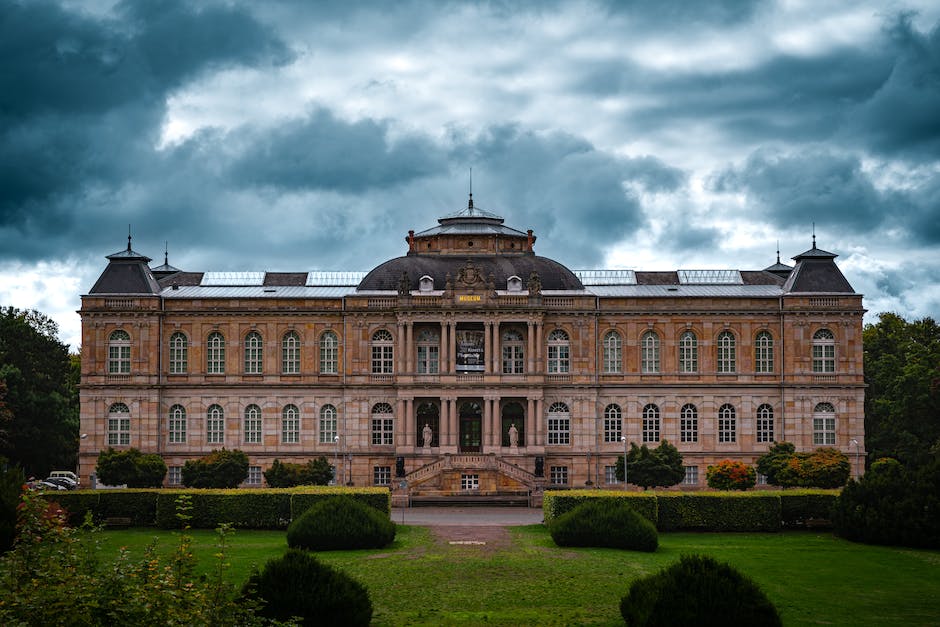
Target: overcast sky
column 295, row 136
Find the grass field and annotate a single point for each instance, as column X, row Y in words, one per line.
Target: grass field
column 812, row 577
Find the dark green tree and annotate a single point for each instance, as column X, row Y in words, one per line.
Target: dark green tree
column 287, row 475
column 650, row 468
column 130, row 467
column 218, row 469
column 11, row 486
column 902, row 403
column 39, row 390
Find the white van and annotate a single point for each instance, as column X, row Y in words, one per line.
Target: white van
column 67, row 474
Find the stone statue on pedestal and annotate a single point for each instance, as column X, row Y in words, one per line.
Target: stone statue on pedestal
column 513, row 435
column 427, row 435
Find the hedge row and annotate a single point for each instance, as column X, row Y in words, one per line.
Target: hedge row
column 272, row 508
column 708, row 511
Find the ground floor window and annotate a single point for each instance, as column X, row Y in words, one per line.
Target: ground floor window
column 610, row 475
column 558, row 475
column 691, row 475
column 174, row 475
column 469, row 482
column 254, row 475
column 761, row 479
column 382, row 475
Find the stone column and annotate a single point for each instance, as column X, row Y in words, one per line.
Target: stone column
column 539, row 423
column 530, row 349
column 409, row 347
column 496, row 348
column 454, row 430
column 529, row 423
column 400, row 429
column 409, row 422
column 445, row 354
column 400, row 348
column 539, row 348
column 486, row 440
column 487, row 345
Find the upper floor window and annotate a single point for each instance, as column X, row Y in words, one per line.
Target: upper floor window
column 824, row 424
column 328, row 424
column 559, row 424
column 727, row 424
column 254, row 353
column 428, row 351
column 119, row 353
column 177, row 425
column 215, row 425
column 651, row 423
column 558, row 352
column 119, row 425
column 688, row 352
column 382, row 352
column 290, row 424
column 215, row 353
column 290, row 353
column 383, row 424
column 688, row 423
column 613, row 352
column 179, row 353
column 727, row 352
column 252, row 424
column 329, row 358
column 613, row 423
column 824, row 351
column 765, row 423
column 649, row 352
column 764, row 352
column 513, row 353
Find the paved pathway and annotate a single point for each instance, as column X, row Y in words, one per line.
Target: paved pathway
column 466, row 516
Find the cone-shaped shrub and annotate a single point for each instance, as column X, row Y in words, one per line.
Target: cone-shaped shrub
column 296, row 584
column 697, row 590
column 604, row 523
column 340, row 523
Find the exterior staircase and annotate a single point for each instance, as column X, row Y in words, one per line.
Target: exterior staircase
column 499, row 482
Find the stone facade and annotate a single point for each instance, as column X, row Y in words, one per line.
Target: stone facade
column 401, row 346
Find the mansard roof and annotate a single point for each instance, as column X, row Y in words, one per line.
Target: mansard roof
column 127, row 272
column 816, row 271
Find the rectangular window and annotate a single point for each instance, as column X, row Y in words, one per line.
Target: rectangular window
column 688, row 429
column 177, row 429
column 610, row 475
column 761, row 479
column 327, row 427
column 382, row 430
column 824, row 358
column 382, row 360
column 428, row 359
column 328, row 358
column 174, row 475
column 119, row 359
column 178, row 358
column 558, row 475
column 382, row 475
column 824, row 431
column 215, row 429
column 612, row 429
column 558, row 359
column 290, row 428
column 254, row 476
column 691, row 475
column 469, row 482
column 512, row 360
column 119, row 431
column 253, row 358
column 765, row 430
column 651, row 429
column 253, row 428
column 727, row 430
column 559, row 431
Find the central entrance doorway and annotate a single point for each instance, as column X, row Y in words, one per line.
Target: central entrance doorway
column 471, row 427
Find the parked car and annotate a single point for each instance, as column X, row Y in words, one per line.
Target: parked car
column 68, row 474
column 65, row 482
column 39, row 484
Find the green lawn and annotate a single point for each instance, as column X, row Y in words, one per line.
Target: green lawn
column 812, row 577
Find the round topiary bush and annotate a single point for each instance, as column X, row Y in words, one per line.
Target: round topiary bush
column 297, row 584
column 604, row 523
column 340, row 523
column 697, row 590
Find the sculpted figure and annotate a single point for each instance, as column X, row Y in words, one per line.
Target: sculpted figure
column 426, row 435
column 513, row 435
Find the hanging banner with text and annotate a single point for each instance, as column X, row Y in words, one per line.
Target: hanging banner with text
column 470, row 357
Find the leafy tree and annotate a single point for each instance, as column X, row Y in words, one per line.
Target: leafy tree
column 38, row 393
column 650, row 468
column 286, row 475
column 130, row 467
column 822, row 468
column 902, row 404
column 11, row 486
column 219, row 469
column 730, row 475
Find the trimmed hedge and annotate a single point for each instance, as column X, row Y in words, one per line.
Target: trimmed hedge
column 605, row 523
column 711, row 511
column 556, row 503
column 340, row 523
column 252, row 509
column 797, row 507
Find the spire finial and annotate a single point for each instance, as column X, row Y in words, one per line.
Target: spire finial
column 814, row 235
column 470, row 203
column 166, row 253
column 778, row 251
column 128, row 238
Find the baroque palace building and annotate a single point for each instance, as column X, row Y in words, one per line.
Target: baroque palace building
column 470, row 365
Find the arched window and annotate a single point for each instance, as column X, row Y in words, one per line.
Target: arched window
column 329, row 358
column 765, row 423
column 383, row 423
column 824, row 425
column 382, row 352
column 558, row 352
column 688, row 423
column 177, row 424
column 513, row 352
column 252, row 424
column 727, row 424
column 764, row 352
column 254, row 353
column 328, row 424
column 688, row 352
column 727, row 352
column 559, row 424
column 649, row 352
column 613, row 423
column 651, row 423
column 215, row 353
column 119, row 425
column 215, row 425
column 824, row 351
column 513, row 415
column 613, row 353
column 290, row 424
column 179, row 353
column 429, row 346
column 119, row 353
column 290, row 353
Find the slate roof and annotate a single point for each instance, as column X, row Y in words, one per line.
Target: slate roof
column 816, row 271
column 127, row 272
